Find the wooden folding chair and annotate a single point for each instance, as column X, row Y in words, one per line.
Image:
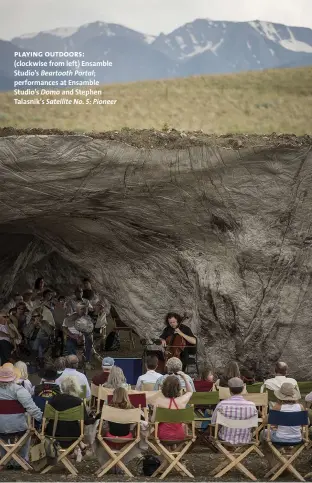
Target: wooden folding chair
column 137, row 400
column 148, row 386
column 103, row 393
column 233, row 459
column 11, row 407
column 172, row 457
column 254, row 388
column 69, row 415
column 291, row 451
column 94, row 395
column 121, row 416
column 202, row 402
column 261, row 402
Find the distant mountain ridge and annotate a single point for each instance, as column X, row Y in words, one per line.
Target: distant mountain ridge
column 203, row 46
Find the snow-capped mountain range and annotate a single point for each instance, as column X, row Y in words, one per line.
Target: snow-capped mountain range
column 200, row 47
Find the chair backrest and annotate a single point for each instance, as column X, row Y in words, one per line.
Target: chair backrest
column 237, row 423
column 41, row 401
column 259, row 399
column 305, row 387
column 83, row 393
column 137, row 400
column 203, row 386
column 285, row 418
column 254, row 388
column 121, row 416
column 148, row 386
column 103, row 393
column 72, row 414
column 94, row 390
column 271, row 395
column 204, row 398
column 224, row 392
column 11, row 406
column 164, row 415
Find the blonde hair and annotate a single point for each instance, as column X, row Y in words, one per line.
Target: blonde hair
column 121, row 399
column 22, row 367
column 116, row 378
column 70, row 385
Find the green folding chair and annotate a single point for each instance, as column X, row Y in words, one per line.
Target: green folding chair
column 254, row 388
column 174, row 450
column 202, row 402
column 305, row 387
column 69, row 415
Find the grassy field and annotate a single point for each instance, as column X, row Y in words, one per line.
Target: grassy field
column 251, row 102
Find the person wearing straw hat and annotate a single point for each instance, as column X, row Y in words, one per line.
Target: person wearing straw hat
column 288, row 401
column 12, row 425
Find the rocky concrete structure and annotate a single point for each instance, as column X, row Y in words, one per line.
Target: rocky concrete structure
column 217, row 227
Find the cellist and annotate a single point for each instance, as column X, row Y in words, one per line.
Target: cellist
column 174, row 326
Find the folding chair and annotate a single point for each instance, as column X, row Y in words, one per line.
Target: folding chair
column 291, row 450
column 172, row 457
column 121, row 416
column 94, row 395
column 305, row 387
column 254, row 388
column 14, row 407
column 69, row 415
column 202, row 401
column 241, row 450
column 103, row 393
column 148, row 386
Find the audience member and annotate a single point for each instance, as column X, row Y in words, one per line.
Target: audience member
column 151, row 376
column 236, row 407
column 174, row 366
column 68, row 398
column 276, row 382
column 6, row 342
column 231, row 370
column 48, row 387
column 13, row 425
column 60, row 365
column 101, row 378
column 205, row 383
column 24, row 381
column 170, row 398
column 116, row 379
column 288, row 401
column 247, row 376
column 71, row 370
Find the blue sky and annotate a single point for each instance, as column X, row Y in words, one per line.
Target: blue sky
column 148, row 16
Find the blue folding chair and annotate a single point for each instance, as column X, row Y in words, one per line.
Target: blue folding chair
column 291, row 450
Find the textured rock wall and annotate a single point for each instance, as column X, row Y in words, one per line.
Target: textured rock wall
column 191, row 224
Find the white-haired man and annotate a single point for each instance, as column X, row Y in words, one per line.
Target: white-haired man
column 174, row 365
column 276, row 382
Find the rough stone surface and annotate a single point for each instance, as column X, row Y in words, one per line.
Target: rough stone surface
column 219, row 227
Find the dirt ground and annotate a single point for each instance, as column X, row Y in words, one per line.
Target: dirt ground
column 173, row 139
column 200, row 463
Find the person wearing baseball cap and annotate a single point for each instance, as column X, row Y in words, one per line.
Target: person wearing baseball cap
column 101, row 378
column 10, row 424
column 236, row 407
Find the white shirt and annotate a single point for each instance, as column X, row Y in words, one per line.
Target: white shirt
column 83, row 381
column 4, row 328
column 276, row 383
column 150, row 377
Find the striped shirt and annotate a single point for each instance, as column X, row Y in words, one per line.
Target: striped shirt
column 236, row 407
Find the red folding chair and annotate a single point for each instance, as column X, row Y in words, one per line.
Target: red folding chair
column 12, row 407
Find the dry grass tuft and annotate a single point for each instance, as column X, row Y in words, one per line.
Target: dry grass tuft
column 251, row 102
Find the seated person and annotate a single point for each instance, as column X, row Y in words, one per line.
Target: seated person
column 68, row 398
column 116, row 379
column 24, row 381
column 174, row 366
column 236, row 407
column 151, row 376
column 15, row 425
column 276, row 382
column 48, row 387
column 205, row 383
column 60, row 365
column 120, row 400
column 101, row 378
column 170, row 397
column 71, row 369
column 231, row 370
column 248, row 377
column 288, row 401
